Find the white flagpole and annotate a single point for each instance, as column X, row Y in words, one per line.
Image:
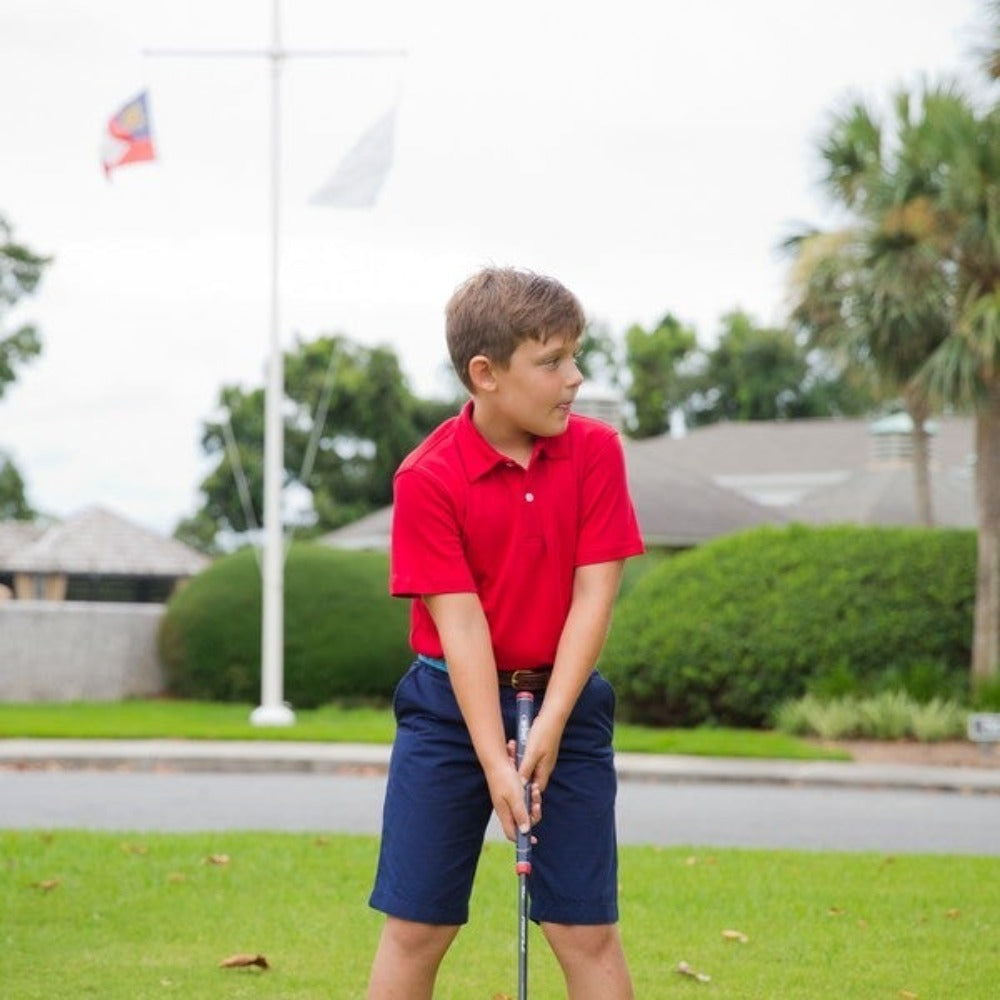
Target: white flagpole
column 273, row 709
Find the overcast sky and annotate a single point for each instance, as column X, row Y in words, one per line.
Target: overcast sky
column 649, row 154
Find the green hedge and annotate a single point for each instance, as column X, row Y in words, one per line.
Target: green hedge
column 724, row 633
column 344, row 635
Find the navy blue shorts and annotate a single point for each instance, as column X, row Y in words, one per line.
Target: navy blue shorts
column 437, row 807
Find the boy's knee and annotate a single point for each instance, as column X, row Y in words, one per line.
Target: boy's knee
column 412, row 938
column 582, row 939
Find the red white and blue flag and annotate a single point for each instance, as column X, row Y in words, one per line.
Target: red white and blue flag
column 129, row 138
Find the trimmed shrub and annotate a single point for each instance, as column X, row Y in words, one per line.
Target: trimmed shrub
column 344, row 635
column 725, row 633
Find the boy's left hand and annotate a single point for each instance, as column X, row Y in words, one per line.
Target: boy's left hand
column 542, row 751
column 536, row 792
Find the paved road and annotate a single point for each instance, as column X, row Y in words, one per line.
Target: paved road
column 650, row 812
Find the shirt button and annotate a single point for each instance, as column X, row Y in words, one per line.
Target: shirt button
column 529, row 497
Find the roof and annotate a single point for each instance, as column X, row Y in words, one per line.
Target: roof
column 368, row 532
column 675, row 507
column 729, row 476
column 888, row 496
column 16, row 535
column 678, row 507
column 764, row 447
column 98, row 541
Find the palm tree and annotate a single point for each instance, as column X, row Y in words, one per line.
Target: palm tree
column 966, row 367
column 877, row 291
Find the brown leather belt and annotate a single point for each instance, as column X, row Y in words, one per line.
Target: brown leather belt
column 525, row 680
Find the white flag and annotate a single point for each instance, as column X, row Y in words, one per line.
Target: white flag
column 361, row 173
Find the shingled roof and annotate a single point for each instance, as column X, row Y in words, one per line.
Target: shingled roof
column 678, row 507
column 887, row 495
column 97, row 541
column 729, row 476
column 15, row 535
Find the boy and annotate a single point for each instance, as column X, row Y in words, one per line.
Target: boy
column 510, row 527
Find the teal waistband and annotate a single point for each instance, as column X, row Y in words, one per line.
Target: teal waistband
column 433, row 661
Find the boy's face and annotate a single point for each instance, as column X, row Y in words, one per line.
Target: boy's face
column 536, row 391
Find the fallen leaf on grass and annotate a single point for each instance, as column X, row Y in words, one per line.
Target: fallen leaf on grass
column 502, row 996
column 135, row 849
column 685, row 970
column 735, row 936
column 836, row 911
column 241, row 961
column 216, row 859
column 46, row 884
column 953, row 914
column 908, row 995
column 175, row 878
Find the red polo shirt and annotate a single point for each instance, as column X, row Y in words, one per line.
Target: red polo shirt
column 467, row 519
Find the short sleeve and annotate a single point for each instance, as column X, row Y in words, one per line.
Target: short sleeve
column 426, row 555
column 609, row 529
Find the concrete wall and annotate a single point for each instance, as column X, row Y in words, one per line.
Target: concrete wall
column 78, row 651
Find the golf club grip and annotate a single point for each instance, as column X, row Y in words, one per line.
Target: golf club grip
column 525, row 705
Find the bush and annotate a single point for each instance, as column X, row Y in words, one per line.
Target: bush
column 886, row 716
column 725, row 633
column 938, row 720
column 810, row 716
column 344, row 635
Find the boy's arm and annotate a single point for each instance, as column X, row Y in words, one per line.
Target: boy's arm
column 580, row 644
column 468, row 649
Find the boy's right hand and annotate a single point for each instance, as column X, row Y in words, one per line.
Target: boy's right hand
column 507, row 794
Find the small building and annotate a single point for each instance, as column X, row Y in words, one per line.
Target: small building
column 94, row 555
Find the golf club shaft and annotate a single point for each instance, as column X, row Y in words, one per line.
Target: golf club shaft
column 525, row 704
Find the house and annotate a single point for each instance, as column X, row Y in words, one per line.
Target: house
column 725, row 477
column 95, row 555
column 821, row 471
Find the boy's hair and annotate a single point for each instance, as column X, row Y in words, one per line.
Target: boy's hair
column 499, row 307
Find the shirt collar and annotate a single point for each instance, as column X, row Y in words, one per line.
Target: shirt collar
column 480, row 457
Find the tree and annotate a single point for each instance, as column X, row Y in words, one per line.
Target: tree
column 14, row 504
column 656, row 385
column 764, row 373
column 598, row 356
column 21, row 270
column 965, row 369
column 350, row 419
column 944, row 181
column 877, row 291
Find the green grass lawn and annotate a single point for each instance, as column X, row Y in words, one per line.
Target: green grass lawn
column 142, row 719
column 137, row 916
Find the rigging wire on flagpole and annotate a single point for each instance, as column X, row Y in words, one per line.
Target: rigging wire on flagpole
column 319, row 422
column 240, row 477
column 273, row 709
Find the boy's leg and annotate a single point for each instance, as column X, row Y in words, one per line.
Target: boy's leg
column 407, row 959
column 436, row 810
column 592, row 960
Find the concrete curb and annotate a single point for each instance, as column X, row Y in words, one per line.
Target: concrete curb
column 264, row 756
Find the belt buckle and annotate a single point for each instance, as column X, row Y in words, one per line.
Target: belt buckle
column 529, row 680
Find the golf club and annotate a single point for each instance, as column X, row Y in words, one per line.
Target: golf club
column 525, row 703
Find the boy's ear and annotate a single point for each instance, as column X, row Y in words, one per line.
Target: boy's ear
column 482, row 374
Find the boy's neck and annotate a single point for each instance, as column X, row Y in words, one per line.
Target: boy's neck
column 517, row 444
